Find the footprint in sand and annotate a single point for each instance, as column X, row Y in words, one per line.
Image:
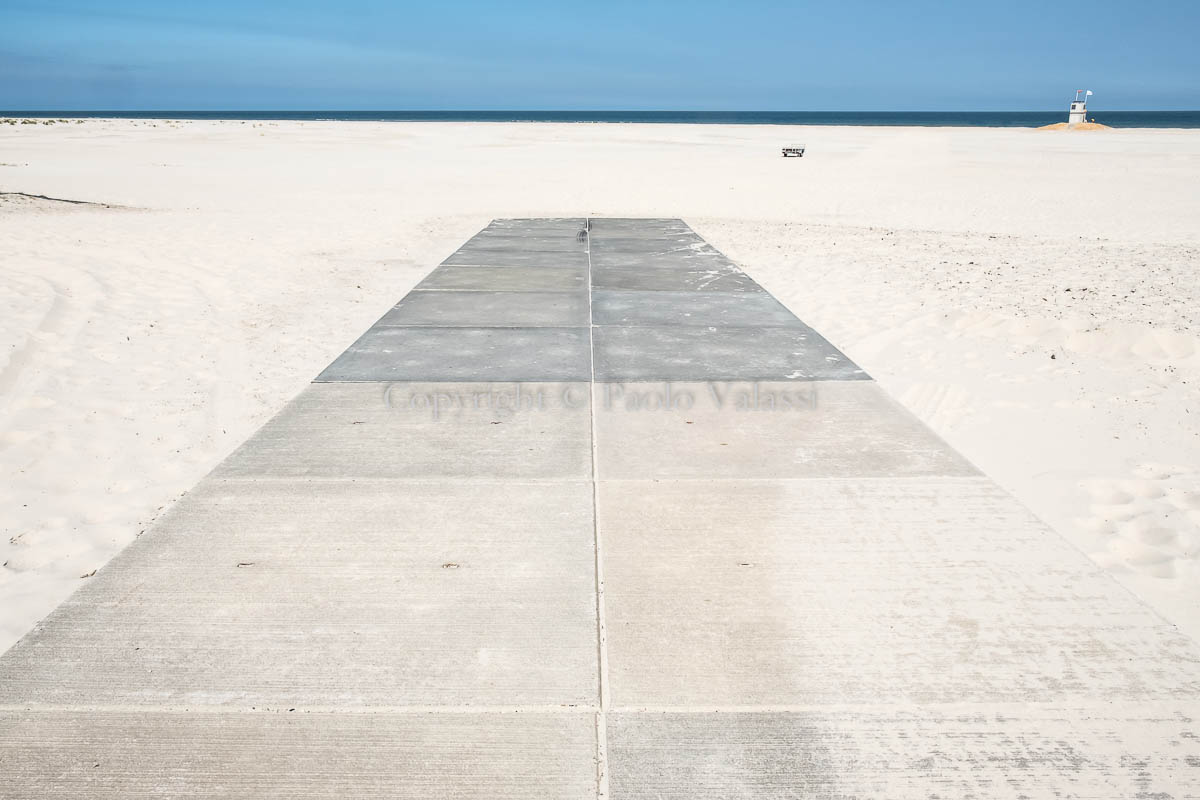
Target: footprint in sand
column 1148, row 524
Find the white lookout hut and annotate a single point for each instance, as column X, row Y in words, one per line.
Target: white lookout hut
column 1078, row 112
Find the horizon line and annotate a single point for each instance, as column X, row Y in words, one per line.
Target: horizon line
column 580, row 111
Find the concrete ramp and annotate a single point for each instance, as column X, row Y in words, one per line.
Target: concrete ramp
column 590, row 514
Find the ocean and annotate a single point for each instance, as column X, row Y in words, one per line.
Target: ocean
column 972, row 119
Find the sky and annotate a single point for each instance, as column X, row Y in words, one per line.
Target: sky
column 876, row 55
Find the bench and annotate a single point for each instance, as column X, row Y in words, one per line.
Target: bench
column 798, row 152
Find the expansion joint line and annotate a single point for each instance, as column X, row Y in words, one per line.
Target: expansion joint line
column 601, row 625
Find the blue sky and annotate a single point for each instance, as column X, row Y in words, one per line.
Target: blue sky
column 370, row 54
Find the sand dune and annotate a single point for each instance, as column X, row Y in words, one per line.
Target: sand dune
column 1032, row 298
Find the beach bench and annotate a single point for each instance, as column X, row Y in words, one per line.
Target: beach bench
column 798, row 152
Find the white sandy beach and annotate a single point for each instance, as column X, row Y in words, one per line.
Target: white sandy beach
column 1031, row 295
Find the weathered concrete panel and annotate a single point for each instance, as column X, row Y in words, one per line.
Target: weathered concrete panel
column 324, row 594
column 894, row 591
column 538, row 226
column 678, row 259
column 511, row 257
column 506, row 279
column 465, row 354
column 633, row 227
column 527, row 241
column 738, row 429
column 117, row 756
column 690, row 309
column 1014, row 752
column 722, row 278
column 418, row 430
column 641, row 244
column 679, row 353
column 489, row 309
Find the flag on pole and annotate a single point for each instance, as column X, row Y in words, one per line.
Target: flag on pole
column 1089, row 93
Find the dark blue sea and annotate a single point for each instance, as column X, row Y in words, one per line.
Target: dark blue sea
column 973, row 119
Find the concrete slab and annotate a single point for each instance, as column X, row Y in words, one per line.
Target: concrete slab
column 456, row 354
column 683, row 244
column 763, row 430
column 506, row 279
column 1019, row 752
column 491, row 309
column 511, row 257
column 724, row 278
column 666, row 242
column 893, row 591
column 418, row 430
column 677, row 353
column 318, row 594
column 684, row 259
column 530, row 242
column 120, row 755
column 691, row 309
column 637, row 227
column 540, row 226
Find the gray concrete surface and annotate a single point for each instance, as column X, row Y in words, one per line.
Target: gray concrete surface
column 688, row 353
column 386, row 353
column 761, row 429
column 490, row 309
column 118, row 755
column 647, row 227
column 516, row 257
column 540, row 226
column 689, row 279
column 442, row 430
column 666, row 309
column 507, row 279
column 436, row 593
column 1006, row 752
column 526, row 241
column 656, row 258
column 591, row 515
column 788, row 593
column 651, row 245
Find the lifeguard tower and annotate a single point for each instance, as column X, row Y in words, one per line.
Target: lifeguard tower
column 1078, row 112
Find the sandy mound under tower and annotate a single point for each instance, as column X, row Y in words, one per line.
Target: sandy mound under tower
column 1078, row 126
